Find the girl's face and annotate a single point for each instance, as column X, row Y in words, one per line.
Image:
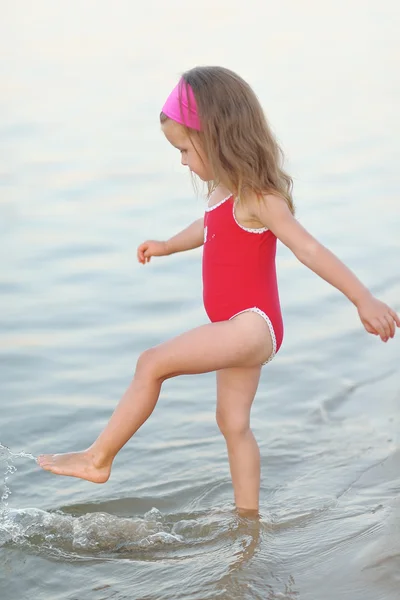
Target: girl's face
column 191, row 156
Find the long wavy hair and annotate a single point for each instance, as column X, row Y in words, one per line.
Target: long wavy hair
column 235, row 136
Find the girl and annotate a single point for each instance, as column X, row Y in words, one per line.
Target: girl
column 216, row 122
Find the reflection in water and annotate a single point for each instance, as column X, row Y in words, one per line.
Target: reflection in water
column 252, row 569
column 246, row 539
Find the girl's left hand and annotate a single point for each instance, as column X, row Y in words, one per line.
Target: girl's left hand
column 378, row 318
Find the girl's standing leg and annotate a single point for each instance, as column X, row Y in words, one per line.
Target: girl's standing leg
column 243, row 341
column 236, row 388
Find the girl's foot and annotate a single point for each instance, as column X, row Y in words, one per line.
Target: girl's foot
column 76, row 464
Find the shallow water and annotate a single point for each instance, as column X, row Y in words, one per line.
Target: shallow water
column 85, row 176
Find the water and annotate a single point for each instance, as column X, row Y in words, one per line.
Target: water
column 9, row 468
column 85, row 176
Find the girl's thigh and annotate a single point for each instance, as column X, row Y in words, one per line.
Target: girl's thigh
column 244, row 341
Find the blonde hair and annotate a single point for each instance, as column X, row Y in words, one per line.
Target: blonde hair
column 237, row 140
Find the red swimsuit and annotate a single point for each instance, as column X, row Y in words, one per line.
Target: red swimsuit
column 239, row 272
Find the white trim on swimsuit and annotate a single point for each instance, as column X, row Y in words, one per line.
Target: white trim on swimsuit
column 266, row 318
column 214, row 206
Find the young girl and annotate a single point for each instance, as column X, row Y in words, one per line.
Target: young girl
column 216, row 122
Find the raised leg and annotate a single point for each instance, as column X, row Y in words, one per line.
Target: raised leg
column 243, row 341
column 236, row 388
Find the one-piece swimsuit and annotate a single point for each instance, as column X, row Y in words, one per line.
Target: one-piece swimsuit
column 239, row 272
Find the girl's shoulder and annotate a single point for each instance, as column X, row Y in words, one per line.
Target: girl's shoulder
column 252, row 207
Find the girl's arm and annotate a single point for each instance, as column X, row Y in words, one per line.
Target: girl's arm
column 377, row 317
column 189, row 238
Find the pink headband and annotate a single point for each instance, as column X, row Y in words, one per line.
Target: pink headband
column 181, row 107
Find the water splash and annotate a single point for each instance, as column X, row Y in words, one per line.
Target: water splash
column 92, row 535
column 8, row 457
column 67, row 536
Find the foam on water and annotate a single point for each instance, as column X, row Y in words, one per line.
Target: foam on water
column 92, row 532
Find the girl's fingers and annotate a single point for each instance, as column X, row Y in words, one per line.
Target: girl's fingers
column 378, row 326
column 392, row 325
column 385, row 328
column 144, row 254
column 140, row 254
column 395, row 317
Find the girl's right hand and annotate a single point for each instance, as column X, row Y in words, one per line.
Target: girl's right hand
column 151, row 248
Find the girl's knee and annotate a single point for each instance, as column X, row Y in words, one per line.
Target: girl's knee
column 149, row 365
column 232, row 424
column 146, row 363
